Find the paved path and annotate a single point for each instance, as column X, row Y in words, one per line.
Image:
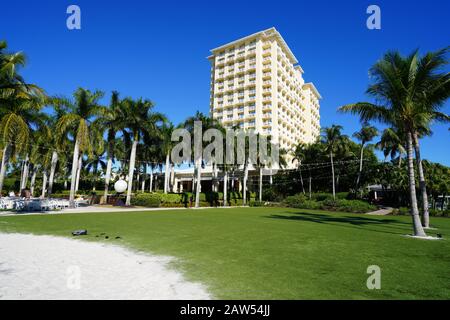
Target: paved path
column 381, row 212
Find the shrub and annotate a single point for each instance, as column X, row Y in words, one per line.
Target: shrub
column 171, row 198
column 439, row 213
column 342, row 195
column 270, row 194
column 321, row 196
column 404, row 211
column 295, row 201
column 400, row 211
column 357, row 206
column 152, row 200
column 257, row 204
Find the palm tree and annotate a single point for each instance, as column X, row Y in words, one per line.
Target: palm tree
column 364, row 135
column 311, row 154
column 20, row 103
column 55, row 142
column 112, row 121
column 140, row 120
column 299, row 156
column 95, row 160
column 331, row 138
column 166, row 148
column 391, row 145
column 431, row 102
column 77, row 121
column 409, row 92
column 189, row 124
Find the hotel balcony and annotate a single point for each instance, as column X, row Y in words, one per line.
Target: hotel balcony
column 267, row 107
column 267, row 83
column 251, row 52
column 267, row 75
column 266, row 92
column 240, row 55
column 251, row 83
column 266, row 52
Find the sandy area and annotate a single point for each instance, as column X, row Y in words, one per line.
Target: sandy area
column 47, row 267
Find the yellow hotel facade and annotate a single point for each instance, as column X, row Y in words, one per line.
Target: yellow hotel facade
column 257, row 83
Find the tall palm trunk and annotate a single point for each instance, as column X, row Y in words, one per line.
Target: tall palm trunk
column 422, row 184
column 358, row 179
column 301, row 181
column 418, row 229
column 261, row 183
column 271, row 177
column 80, row 162
column 24, row 177
column 172, row 178
column 94, row 173
column 138, row 178
column 225, row 188
column 244, row 185
column 5, row 161
column 76, row 151
column 33, row 179
column 107, row 179
column 332, row 175
column 44, row 183
column 131, row 170
column 151, row 179
column 166, row 173
column 232, row 182
column 198, row 182
column 310, row 178
column 215, row 181
column 52, row 172
column 144, row 170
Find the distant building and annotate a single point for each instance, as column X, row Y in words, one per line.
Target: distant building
column 257, row 83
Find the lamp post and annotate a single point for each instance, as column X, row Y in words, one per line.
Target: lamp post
column 120, row 186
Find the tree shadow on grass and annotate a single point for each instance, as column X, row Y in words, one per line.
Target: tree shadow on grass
column 343, row 221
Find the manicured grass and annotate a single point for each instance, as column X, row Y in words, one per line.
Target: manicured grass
column 274, row 253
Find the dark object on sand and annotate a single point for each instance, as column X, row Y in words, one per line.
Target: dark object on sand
column 106, row 237
column 81, row 232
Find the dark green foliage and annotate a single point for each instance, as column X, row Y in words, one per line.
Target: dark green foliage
column 256, row 203
column 325, row 201
column 152, row 200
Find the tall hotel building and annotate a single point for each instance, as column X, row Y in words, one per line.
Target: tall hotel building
column 257, row 83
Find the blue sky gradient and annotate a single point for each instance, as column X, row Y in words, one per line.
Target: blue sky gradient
column 158, row 50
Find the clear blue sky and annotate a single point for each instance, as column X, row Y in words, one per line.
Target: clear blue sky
column 158, row 49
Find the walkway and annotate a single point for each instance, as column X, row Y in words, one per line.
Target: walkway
column 381, row 212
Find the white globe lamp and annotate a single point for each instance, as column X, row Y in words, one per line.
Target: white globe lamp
column 120, row 186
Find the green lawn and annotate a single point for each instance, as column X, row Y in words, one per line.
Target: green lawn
column 274, row 253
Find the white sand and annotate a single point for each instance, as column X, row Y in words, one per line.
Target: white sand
column 46, row 267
